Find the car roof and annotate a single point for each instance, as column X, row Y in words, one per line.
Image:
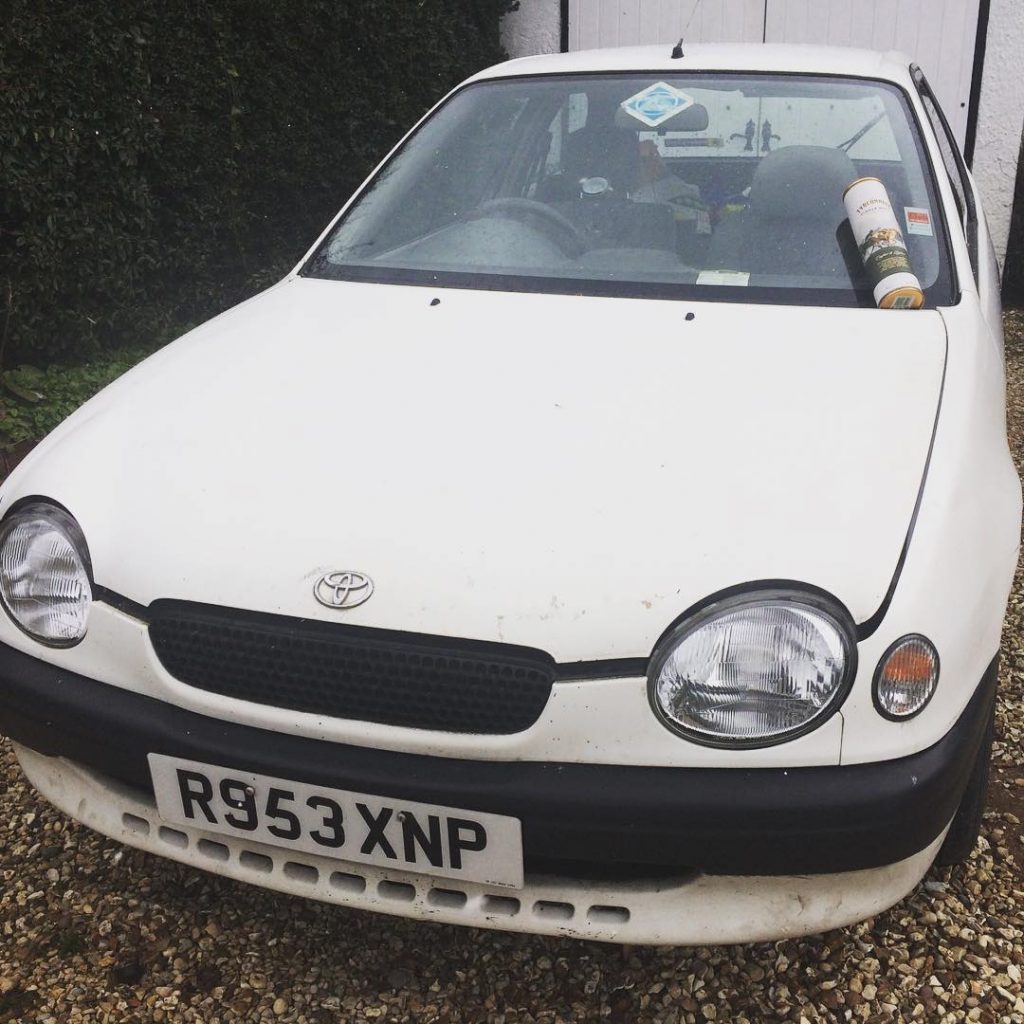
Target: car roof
column 766, row 57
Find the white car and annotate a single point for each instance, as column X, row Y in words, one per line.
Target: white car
column 569, row 544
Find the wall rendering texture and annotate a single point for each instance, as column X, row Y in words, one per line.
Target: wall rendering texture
column 535, row 28
column 1000, row 118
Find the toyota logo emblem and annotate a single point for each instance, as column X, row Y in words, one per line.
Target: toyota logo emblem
column 343, row 589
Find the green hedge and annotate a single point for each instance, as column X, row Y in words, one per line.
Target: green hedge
column 160, row 159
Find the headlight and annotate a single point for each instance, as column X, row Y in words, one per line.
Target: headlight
column 44, row 574
column 754, row 670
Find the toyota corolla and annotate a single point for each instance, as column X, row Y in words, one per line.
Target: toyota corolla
column 605, row 530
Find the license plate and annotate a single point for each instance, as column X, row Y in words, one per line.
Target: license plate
column 472, row 846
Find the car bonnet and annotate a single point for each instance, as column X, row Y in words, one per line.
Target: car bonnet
column 567, row 473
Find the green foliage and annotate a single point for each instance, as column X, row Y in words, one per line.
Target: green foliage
column 160, row 160
column 34, row 401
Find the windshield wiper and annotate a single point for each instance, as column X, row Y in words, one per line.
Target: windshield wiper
column 854, row 139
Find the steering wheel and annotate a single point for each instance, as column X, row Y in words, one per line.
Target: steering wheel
column 555, row 225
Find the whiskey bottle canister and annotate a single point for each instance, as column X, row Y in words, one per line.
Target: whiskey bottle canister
column 881, row 245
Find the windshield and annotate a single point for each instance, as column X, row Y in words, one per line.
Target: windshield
column 699, row 185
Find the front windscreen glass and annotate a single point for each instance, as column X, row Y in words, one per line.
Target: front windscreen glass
column 695, row 185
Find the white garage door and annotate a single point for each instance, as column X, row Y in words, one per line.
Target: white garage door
column 938, row 34
column 596, row 23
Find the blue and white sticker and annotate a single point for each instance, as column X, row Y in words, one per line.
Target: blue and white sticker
column 657, row 103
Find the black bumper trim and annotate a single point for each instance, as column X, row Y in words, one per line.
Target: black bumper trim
column 720, row 820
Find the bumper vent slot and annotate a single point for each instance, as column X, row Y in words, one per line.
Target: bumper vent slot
column 342, row 671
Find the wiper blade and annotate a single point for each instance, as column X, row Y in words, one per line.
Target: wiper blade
column 854, row 139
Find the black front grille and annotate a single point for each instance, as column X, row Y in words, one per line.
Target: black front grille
column 344, row 671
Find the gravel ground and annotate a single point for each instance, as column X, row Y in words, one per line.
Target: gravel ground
column 92, row 931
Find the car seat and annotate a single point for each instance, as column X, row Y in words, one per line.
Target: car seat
column 791, row 223
column 605, row 147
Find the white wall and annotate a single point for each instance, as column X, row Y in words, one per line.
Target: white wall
column 1001, row 118
column 595, row 23
column 535, row 28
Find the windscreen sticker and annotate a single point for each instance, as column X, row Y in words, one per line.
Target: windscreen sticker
column 919, row 220
column 733, row 277
column 657, row 103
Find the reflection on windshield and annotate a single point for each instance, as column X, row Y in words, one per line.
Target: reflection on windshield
column 631, row 183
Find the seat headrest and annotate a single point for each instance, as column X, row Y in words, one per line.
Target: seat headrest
column 604, row 152
column 693, row 119
column 802, row 181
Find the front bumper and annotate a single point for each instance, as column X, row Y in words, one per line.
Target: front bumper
column 591, row 821
column 685, row 909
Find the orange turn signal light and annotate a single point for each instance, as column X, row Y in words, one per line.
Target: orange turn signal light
column 906, row 678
